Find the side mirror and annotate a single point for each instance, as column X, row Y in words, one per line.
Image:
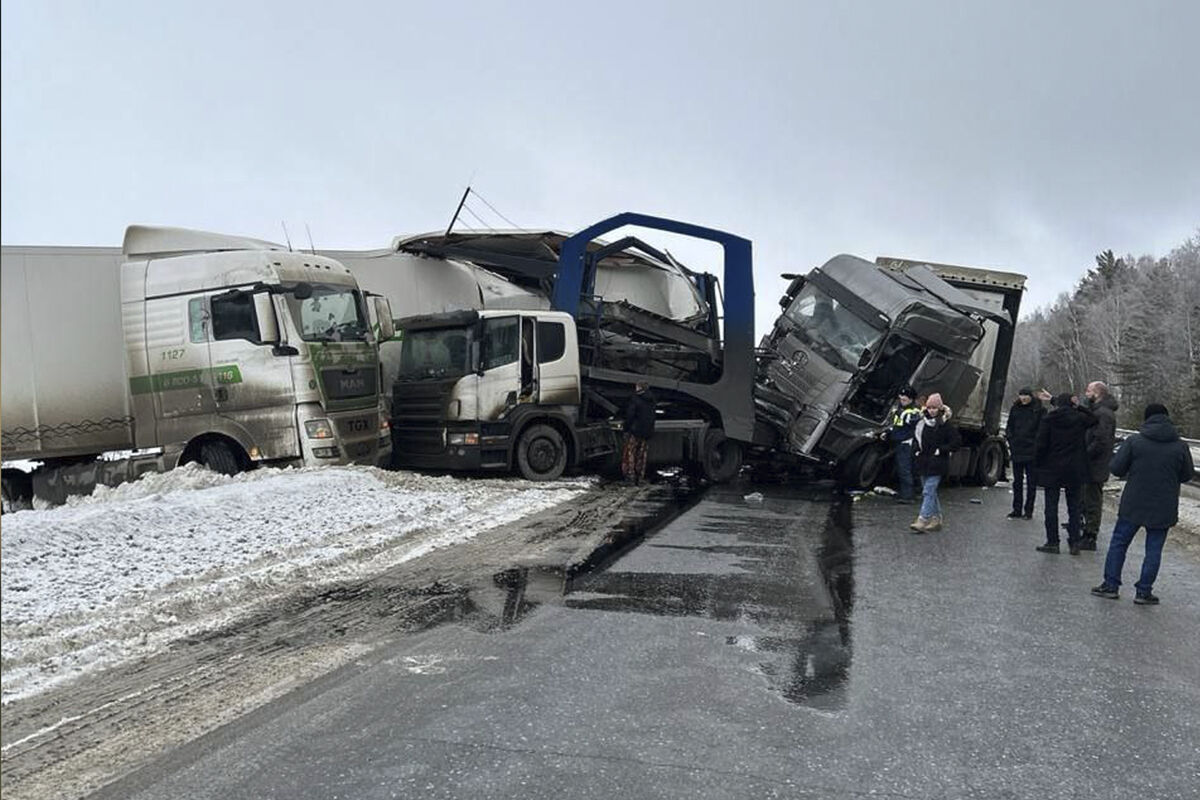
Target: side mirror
column 268, row 326
column 383, row 312
column 785, row 301
column 302, row 290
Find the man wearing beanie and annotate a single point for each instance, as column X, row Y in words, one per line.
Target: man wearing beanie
column 1021, row 431
column 1062, row 467
column 1154, row 463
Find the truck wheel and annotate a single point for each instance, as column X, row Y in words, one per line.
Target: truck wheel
column 541, row 453
column 219, row 457
column 861, row 469
column 720, row 458
column 17, row 490
column 991, row 463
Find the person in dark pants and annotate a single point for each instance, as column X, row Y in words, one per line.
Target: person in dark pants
column 1100, row 442
column 639, row 427
column 1154, row 462
column 900, row 435
column 1060, row 456
column 1021, row 431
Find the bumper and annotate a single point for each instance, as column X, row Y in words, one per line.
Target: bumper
column 429, row 448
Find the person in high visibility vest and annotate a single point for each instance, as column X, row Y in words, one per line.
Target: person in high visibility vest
column 905, row 415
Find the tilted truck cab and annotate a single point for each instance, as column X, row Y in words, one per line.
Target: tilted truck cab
column 853, row 333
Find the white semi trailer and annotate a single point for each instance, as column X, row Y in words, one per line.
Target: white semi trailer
column 183, row 346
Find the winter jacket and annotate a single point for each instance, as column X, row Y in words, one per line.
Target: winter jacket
column 932, row 444
column 1101, row 439
column 1154, row 463
column 639, row 415
column 1021, row 430
column 904, row 422
column 1060, row 453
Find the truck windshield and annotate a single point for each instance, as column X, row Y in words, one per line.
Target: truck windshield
column 435, row 353
column 832, row 328
column 332, row 314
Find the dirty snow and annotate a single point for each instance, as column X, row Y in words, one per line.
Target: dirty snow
column 127, row 570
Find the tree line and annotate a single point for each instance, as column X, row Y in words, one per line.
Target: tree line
column 1133, row 323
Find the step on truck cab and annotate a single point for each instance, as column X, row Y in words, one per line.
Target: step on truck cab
column 221, row 350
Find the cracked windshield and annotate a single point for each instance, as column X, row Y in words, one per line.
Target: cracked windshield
column 831, row 327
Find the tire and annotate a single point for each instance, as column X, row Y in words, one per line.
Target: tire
column 541, row 453
column 17, row 491
column 990, row 465
column 720, row 458
column 861, row 470
column 219, row 457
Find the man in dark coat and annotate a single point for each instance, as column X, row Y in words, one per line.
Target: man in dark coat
column 1060, row 454
column 1021, row 431
column 900, row 435
column 1100, row 441
column 639, row 427
column 1154, row 462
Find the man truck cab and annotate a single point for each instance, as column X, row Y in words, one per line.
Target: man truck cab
column 248, row 355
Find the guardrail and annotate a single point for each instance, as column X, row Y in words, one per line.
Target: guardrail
column 1194, row 444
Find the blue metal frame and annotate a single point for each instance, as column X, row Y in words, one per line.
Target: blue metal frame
column 732, row 396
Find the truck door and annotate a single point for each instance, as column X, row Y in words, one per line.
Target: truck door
column 178, row 376
column 501, row 383
column 953, row 378
column 557, row 363
column 252, row 387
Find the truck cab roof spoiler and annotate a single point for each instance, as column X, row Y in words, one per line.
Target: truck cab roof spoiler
column 154, row 240
column 938, row 280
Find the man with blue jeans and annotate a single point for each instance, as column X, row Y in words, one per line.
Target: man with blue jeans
column 1154, row 462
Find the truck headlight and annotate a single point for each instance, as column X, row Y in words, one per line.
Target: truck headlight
column 385, row 424
column 318, row 429
column 463, row 438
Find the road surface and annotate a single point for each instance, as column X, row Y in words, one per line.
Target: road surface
column 805, row 647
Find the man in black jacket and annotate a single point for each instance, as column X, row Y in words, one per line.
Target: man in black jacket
column 1154, row 462
column 1100, row 441
column 1021, row 431
column 1060, row 454
column 639, row 427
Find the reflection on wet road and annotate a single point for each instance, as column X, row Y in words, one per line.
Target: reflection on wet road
column 767, row 567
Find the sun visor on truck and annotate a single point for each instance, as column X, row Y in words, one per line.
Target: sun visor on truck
column 453, row 319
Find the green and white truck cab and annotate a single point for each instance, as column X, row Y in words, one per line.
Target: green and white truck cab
column 185, row 346
column 263, row 353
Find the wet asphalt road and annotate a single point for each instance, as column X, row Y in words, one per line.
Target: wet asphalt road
column 807, row 647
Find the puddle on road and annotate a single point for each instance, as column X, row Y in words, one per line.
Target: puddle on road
column 785, row 568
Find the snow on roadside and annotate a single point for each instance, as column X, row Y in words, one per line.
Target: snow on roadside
column 125, row 571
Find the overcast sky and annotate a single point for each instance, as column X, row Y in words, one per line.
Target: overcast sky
column 1022, row 135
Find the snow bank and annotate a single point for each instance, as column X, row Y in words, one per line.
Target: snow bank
column 123, row 572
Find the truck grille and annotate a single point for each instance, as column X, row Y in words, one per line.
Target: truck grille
column 420, row 402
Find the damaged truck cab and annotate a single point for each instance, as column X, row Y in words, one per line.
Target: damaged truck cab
column 853, row 333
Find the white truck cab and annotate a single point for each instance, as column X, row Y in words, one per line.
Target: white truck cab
column 227, row 351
